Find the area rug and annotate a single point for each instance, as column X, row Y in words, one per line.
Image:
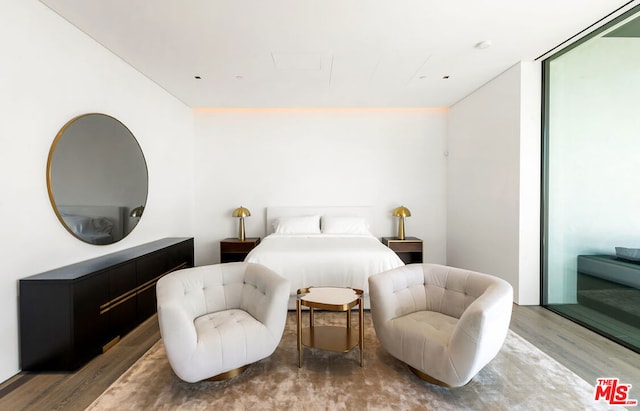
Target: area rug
column 521, row 377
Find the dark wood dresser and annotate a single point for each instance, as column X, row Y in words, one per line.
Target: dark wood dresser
column 71, row 314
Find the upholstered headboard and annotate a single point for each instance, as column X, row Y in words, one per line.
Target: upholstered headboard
column 273, row 213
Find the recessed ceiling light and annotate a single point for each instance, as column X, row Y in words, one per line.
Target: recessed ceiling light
column 483, row 44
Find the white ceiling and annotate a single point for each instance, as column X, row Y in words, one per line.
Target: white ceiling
column 327, row 53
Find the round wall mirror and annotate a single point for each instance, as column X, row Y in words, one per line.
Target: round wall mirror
column 97, row 178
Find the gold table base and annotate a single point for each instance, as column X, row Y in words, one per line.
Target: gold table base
column 330, row 338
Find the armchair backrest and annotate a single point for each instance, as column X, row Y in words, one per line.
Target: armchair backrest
column 219, row 287
column 205, row 289
column 397, row 292
column 265, row 295
column 450, row 290
column 427, row 287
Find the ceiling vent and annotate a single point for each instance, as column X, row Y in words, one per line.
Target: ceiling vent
column 297, row 61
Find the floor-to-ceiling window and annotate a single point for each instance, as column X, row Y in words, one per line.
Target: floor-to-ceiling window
column 592, row 181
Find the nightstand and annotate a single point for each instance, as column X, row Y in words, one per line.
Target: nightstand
column 232, row 249
column 409, row 250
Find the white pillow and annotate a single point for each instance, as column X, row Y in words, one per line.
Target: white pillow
column 297, row 225
column 344, row 225
column 77, row 223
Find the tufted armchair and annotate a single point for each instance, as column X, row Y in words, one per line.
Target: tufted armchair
column 445, row 323
column 217, row 319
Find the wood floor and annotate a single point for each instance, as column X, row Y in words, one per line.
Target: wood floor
column 586, row 353
column 627, row 332
column 75, row 391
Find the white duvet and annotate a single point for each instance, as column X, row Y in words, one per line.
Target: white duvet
column 324, row 260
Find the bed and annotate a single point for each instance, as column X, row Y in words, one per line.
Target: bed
column 323, row 246
column 94, row 224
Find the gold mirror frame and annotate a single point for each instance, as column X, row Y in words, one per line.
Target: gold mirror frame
column 97, row 178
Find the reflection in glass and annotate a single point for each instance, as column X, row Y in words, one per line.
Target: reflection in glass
column 592, row 145
column 96, row 176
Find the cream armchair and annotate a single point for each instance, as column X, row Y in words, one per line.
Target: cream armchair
column 445, row 323
column 217, row 319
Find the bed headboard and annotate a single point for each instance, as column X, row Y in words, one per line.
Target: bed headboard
column 274, row 213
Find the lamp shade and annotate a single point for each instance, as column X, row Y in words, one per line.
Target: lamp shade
column 401, row 211
column 241, row 212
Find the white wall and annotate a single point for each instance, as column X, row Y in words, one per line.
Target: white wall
column 593, row 157
column 51, row 72
column 528, row 292
column 492, row 189
column 289, row 157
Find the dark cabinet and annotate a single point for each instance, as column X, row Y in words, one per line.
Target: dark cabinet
column 233, row 249
column 121, row 317
column 409, row 250
column 71, row 314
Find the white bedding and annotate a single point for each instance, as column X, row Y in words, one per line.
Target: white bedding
column 324, row 259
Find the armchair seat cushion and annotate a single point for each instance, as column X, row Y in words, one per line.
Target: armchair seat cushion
column 415, row 326
column 422, row 337
column 231, row 338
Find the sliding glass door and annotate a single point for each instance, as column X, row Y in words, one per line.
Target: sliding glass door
column 591, row 250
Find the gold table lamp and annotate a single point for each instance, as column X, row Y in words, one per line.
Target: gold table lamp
column 137, row 212
column 241, row 212
column 401, row 212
